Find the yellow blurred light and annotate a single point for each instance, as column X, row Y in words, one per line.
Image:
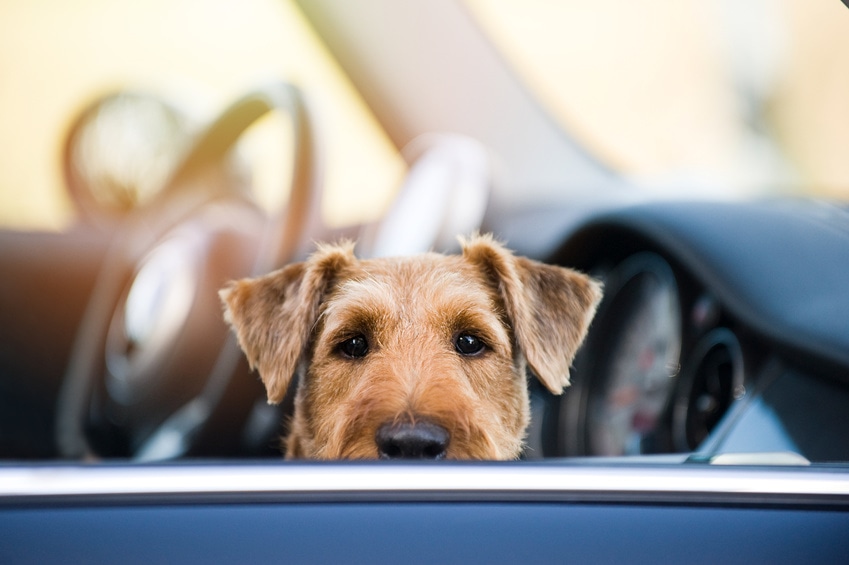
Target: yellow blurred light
column 55, row 57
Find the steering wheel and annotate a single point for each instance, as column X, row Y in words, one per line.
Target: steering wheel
column 153, row 361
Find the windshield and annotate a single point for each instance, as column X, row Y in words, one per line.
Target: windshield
column 735, row 98
column 57, row 58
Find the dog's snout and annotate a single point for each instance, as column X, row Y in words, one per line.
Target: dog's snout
column 405, row 440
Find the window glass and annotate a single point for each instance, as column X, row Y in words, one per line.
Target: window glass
column 744, row 97
column 57, row 57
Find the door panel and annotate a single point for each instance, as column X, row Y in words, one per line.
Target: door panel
column 45, row 282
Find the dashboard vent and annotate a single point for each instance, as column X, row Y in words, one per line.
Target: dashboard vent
column 712, row 381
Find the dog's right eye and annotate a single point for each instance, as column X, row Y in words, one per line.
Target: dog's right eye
column 354, row 347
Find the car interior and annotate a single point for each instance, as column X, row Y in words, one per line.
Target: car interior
column 690, row 156
column 722, row 331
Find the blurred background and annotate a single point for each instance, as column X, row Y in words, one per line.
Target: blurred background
column 734, row 97
column 56, row 58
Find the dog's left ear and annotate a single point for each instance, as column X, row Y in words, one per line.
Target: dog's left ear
column 273, row 316
column 550, row 307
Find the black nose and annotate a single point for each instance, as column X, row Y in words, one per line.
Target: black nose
column 405, row 440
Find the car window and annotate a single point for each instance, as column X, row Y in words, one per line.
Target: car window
column 737, row 98
column 57, row 57
column 127, row 354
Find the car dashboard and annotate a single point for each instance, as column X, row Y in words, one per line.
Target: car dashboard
column 720, row 332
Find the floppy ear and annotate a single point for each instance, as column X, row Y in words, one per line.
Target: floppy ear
column 273, row 316
column 550, row 307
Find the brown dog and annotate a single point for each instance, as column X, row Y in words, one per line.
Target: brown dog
column 418, row 357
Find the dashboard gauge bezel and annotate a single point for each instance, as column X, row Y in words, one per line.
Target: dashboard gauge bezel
column 596, row 359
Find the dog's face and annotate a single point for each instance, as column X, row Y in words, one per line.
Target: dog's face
column 419, row 357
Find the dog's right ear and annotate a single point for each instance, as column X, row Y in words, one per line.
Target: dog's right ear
column 273, row 316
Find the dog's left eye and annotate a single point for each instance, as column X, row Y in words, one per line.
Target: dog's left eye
column 468, row 344
column 354, row 347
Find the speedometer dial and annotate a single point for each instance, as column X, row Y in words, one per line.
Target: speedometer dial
column 637, row 360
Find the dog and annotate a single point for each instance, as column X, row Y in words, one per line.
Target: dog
column 421, row 357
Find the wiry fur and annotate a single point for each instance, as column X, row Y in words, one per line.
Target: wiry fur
column 411, row 310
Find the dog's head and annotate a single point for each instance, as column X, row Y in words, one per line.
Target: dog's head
column 413, row 357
